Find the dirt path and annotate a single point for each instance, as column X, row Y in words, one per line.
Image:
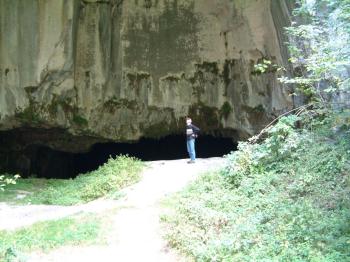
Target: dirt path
column 136, row 230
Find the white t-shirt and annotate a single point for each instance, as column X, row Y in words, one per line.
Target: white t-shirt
column 189, row 131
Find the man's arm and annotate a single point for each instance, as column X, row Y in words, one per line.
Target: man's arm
column 195, row 129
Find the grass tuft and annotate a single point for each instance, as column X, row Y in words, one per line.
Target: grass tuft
column 108, row 179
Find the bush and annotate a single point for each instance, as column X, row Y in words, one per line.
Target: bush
column 7, row 180
column 239, row 164
column 282, row 141
column 286, row 199
column 112, row 176
column 115, row 174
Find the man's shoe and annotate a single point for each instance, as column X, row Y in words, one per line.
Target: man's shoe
column 191, row 162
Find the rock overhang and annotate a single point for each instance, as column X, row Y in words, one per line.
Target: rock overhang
column 130, row 69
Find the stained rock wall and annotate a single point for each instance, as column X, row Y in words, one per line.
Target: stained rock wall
column 120, row 70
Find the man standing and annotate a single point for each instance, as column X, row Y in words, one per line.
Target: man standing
column 191, row 134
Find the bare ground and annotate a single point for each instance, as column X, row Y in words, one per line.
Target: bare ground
column 135, row 231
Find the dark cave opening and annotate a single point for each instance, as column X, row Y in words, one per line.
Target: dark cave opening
column 167, row 148
column 48, row 163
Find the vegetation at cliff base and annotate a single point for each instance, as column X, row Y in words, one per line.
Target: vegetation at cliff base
column 107, row 180
column 286, row 199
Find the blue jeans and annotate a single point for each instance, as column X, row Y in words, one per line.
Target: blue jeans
column 190, row 148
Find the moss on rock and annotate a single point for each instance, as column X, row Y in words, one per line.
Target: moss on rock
column 113, row 104
column 79, row 120
column 208, row 118
column 29, row 115
column 211, row 67
column 225, row 110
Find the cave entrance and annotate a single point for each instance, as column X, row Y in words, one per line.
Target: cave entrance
column 167, row 148
column 49, row 163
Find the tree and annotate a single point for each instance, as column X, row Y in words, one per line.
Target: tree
column 320, row 52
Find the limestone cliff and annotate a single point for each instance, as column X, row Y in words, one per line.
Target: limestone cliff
column 120, row 70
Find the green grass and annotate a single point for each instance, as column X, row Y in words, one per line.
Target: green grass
column 107, row 180
column 25, row 186
column 287, row 199
column 44, row 236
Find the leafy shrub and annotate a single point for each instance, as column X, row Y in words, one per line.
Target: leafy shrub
column 283, row 137
column 319, row 38
column 239, row 164
column 115, row 174
column 7, row 180
column 286, row 199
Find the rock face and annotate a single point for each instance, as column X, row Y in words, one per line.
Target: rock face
column 113, row 70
